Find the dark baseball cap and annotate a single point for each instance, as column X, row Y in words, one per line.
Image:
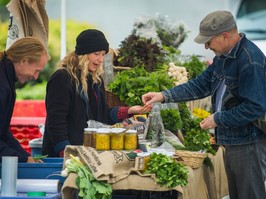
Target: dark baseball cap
column 214, row 24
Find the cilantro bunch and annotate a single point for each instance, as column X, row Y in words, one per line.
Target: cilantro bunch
column 167, row 172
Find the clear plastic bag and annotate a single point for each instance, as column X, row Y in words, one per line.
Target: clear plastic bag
column 96, row 124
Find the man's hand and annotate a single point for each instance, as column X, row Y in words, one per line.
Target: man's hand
column 208, row 123
column 152, row 97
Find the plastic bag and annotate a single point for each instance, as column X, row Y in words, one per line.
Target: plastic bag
column 155, row 129
column 96, row 124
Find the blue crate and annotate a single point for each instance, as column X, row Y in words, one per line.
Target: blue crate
column 24, row 196
column 50, row 169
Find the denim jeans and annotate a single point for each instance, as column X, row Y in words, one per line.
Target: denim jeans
column 246, row 170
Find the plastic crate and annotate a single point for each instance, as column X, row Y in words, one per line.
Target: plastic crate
column 25, row 133
column 24, row 196
column 29, row 108
column 50, row 169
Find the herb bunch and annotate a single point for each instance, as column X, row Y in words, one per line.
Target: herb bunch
column 171, row 119
column 130, row 85
column 167, row 172
column 136, row 51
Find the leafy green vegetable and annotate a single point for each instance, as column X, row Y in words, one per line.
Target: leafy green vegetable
column 171, row 119
column 136, row 51
column 131, row 84
column 168, row 172
column 89, row 187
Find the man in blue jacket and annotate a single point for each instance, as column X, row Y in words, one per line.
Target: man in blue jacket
column 236, row 83
column 22, row 61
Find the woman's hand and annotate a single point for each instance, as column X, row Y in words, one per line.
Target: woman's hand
column 152, row 97
column 133, row 110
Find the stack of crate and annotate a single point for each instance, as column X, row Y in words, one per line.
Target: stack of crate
column 27, row 116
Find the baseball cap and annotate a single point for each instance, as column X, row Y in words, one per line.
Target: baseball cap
column 214, row 24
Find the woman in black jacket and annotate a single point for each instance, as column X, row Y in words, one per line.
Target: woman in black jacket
column 76, row 94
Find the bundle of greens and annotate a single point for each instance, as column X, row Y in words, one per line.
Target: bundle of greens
column 130, row 85
column 171, row 119
column 89, row 187
column 167, row 172
column 136, row 51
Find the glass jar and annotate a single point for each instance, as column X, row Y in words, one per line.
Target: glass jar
column 89, row 137
column 144, row 158
column 131, row 140
column 103, row 139
column 117, row 138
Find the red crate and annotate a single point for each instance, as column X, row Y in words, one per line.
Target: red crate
column 24, row 134
column 25, row 121
column 29, row 108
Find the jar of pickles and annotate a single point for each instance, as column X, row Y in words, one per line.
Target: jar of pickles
column 117, row 138
column 130, row 142
column 89, row 137
column 103, row 139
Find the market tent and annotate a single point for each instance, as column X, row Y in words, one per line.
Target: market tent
column 27, row 18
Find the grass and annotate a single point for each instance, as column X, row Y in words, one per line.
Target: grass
column 35, row 92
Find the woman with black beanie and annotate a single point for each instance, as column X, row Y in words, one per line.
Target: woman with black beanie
column 75, row 93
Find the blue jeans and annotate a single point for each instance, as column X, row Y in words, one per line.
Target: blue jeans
column 246, row 170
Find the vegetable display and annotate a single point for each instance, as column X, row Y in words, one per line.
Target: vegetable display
column 89, row 187
column 171, row 119
column 179, row 73
column 167, row 172
column 131, row 84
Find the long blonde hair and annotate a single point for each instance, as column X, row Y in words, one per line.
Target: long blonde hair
column 27, row 48
column 78, row 68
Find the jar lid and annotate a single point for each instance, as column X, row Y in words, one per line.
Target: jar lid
column 131, row 131
column 103, row 130
column 117, row 130
column 90, row 129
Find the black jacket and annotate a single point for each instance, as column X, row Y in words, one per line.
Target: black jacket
column 68, row 112
column 9, row 146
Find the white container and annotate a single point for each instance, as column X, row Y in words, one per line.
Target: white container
column 36, row 146
column 9, row 176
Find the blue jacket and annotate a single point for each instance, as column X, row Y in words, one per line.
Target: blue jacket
column 243, row 70
column 9, row 146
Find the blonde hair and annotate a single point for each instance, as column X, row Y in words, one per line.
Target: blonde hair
column 27, row 48
column 78, row 68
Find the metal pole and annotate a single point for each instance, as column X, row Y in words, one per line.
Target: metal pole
column 63, row 29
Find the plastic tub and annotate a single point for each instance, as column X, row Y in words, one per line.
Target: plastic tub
column 50, row 169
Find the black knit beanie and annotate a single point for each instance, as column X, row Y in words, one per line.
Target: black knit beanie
column 89, row 41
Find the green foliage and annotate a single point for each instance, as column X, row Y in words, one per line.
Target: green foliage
column 89, row 187
column 167, row 172
column 171, row 119
column 36, row 91
column 195, row 137
column 131, row 84
column 4, row 2
column 194, row 66
column 136, row 51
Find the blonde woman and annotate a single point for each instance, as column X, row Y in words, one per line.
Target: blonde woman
column 22, row 61
column 75, row 94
